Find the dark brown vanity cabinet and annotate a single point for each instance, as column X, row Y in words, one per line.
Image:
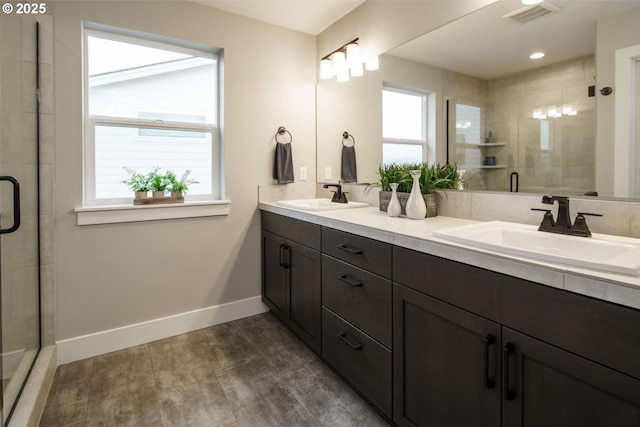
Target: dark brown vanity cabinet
column 473, row 347
column 356, row 313
column 291, row 271
column 547, row 386
column 446, row 364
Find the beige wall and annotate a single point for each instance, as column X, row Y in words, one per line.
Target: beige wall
column 615, row 32
column 115, row 275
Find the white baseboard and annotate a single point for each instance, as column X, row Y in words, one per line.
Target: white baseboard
column 83, row 347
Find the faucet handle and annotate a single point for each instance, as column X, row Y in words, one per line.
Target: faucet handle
column 582, row 214
column 547, row 221
column 580, row 225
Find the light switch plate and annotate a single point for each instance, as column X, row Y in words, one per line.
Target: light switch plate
column 327, row 173
column 303, row 173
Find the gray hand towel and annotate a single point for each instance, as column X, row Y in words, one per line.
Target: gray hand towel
column 349, row 173
column 283, row 164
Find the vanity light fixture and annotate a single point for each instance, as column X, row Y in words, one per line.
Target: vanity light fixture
column 346, row 60
column 553, row 111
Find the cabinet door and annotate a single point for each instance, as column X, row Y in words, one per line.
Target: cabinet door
column 274, row 275
column 546, row 386
column 304, row 293
column 446, row 364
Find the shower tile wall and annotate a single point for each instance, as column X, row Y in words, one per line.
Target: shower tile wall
column 19, row 250
column 567, row 160
column 47, row 170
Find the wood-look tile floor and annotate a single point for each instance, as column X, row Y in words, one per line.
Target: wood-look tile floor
column 252, row 372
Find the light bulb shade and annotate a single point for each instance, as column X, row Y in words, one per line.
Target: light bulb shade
column 339, row 60
column 326, row 69
column 372, row 63
column 343, row 75
column 357, row 70
column 353, row 55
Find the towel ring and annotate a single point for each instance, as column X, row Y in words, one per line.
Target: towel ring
column 282, row 131
column 346, row 136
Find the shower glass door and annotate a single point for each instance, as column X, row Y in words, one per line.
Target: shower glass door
column 19, row 229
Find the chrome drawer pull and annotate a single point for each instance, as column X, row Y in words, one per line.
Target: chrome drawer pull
column 343, row 337
column 350, row 250
column 343, row 277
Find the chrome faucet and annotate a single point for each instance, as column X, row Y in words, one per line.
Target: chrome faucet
column 562, row 223
column 338, row 196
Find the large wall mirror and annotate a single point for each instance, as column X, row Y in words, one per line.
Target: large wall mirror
column 511, row 122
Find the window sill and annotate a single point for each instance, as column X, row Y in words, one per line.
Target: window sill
column 130, row 213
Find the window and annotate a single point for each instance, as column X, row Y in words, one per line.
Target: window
column 404, row 130
column 149, row 101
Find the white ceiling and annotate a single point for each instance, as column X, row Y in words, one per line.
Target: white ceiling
column 308, row 16
column 485, row 45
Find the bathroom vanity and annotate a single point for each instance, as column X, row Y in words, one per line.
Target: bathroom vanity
column 434, row 334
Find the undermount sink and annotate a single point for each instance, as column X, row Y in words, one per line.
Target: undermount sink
column 319, row 204
column 599, row 252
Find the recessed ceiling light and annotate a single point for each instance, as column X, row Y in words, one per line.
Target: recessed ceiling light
column 536, row 55
column 530, row 2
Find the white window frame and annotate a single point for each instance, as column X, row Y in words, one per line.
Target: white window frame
column 90, row 202
column 425, row 118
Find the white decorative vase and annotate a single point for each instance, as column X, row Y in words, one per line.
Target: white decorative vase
column 416, row 207
column 394, row 209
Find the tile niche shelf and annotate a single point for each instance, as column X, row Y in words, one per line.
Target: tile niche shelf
column 481, row 146
column 464, row 145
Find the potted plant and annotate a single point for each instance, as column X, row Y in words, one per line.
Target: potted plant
column 180, row 186
column 158, row 182
column 138, row 183
column 433, row 177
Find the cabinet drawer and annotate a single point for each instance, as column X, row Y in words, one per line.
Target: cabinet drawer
column 359, row 359
column 361, row 298
column 302, row 232
column 363, row 252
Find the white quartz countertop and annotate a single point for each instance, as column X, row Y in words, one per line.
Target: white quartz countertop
column 418, row 235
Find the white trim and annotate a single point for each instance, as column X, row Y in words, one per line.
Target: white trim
column 78, row 348
column 34, row 395
column 133, row 213
column 625, row 110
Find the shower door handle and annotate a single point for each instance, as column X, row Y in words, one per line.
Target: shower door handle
column 16, row 205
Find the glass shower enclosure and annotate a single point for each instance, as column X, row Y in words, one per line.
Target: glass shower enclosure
column 19, row 205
